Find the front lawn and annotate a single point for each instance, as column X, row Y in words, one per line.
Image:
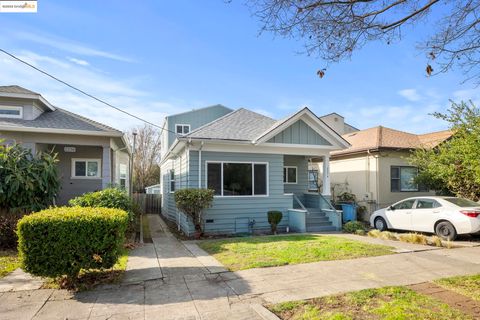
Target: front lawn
column 467, row 285
column 269, row 251
column 8, row 262
column 390, row 303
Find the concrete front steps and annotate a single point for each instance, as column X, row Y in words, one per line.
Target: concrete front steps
column 317, row 221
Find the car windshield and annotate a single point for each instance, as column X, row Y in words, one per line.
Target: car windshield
column 464, row 203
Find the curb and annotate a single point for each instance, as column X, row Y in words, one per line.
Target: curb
column 263, row 312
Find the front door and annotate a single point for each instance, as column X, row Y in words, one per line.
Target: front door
column 400, row 215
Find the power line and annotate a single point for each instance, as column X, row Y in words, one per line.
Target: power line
column 83, row 92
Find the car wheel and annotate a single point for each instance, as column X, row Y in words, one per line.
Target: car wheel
column 446, row 231
column 380, row 224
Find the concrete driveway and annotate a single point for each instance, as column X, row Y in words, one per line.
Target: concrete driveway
column 170, row 279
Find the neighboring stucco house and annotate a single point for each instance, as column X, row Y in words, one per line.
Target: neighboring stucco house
column 254, row 163
column 91, row 155
column 375, row 167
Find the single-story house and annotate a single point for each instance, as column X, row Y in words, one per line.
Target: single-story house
column 375, row 167
column 91, row 155
column 253, row 163
column 153, row 189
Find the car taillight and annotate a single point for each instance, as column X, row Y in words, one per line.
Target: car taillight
column 470, row 213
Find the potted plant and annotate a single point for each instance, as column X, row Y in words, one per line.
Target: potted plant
column 193, row 202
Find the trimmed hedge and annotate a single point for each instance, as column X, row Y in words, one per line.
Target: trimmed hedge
column 62, row 241
column 106, row 198
column 274, row 218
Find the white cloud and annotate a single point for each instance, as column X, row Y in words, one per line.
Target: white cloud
column 69, row 46
column 124, row 93
column 78, row 61
column 410, row 94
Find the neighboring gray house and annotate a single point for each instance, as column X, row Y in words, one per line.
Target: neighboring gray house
column 254, row 164
column 91, row 155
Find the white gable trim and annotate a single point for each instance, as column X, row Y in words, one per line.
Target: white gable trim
column 311, row 120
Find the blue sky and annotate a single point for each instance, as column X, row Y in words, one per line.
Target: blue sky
column 154, row 58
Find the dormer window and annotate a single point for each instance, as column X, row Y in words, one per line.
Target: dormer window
column 11, row 112
column 182, row 129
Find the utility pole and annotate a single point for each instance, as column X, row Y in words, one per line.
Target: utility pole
column 134, row 133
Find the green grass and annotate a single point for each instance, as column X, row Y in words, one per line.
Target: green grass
column 389, row 303
column 9, row 261
column 467, row 285
column 269, row 251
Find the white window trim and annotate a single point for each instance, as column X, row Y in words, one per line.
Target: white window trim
column 253, row 178
column 98, row 161
column 286, row 175
column 12, row 116
column 182, row 125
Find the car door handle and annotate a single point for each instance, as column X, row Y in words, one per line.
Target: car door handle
column 436, row 211
column 408, row 212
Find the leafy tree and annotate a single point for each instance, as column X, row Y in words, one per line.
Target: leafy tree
column 146, row 158
column 193, row 202
column 27, row 183
column 333, row 30
column 454, row 166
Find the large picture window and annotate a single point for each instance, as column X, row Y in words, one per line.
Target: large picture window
column 237, row 178
column 403, row 179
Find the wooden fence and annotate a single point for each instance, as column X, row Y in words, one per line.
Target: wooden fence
column 148, row 203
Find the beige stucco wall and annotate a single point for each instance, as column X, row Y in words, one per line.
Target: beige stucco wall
column 387, row 160
column 358, row 175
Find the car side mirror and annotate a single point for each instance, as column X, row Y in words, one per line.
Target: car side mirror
column 391, row 208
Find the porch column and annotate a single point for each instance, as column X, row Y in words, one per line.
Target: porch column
column 326, row 176
column 106, row 167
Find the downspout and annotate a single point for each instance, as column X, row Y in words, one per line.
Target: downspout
column 200, row 166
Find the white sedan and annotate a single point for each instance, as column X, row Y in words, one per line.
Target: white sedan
column 445, row 216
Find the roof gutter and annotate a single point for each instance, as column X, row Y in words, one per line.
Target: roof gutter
column 63, row 131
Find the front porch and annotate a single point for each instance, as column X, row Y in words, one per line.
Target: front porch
column 311, row 209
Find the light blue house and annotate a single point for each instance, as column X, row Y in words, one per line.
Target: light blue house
column 254, row 163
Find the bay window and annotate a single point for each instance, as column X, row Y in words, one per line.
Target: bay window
column 237, row 178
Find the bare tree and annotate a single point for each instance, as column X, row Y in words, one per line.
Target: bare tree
column 334, row 29
column 146, row 162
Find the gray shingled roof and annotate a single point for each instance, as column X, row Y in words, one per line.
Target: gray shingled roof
column 240, row 125
column 59, row 119
column 16, row 89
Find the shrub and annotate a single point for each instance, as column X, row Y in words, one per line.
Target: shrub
column 374, row 233
column 107, row 198
column 353, row 226
column 360, row 232
column 274, row 218
column 436, row 241
column 413, row 238
column 192, row 202
column 8, row 225
column 28, row 183
column 62, row 241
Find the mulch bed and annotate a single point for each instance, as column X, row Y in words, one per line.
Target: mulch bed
column 453, row 299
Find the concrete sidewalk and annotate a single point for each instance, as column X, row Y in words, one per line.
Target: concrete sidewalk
column 173, row 280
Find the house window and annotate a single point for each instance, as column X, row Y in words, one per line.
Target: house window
column 313, row 180
column 172, row 180
column 123, row 176
column 237, row 178
column 289, row 174
column 402, row 179
column 11, row 112
column 182, row 128
column 86, row 168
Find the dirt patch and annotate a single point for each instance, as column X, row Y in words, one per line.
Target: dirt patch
column 453, row 299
